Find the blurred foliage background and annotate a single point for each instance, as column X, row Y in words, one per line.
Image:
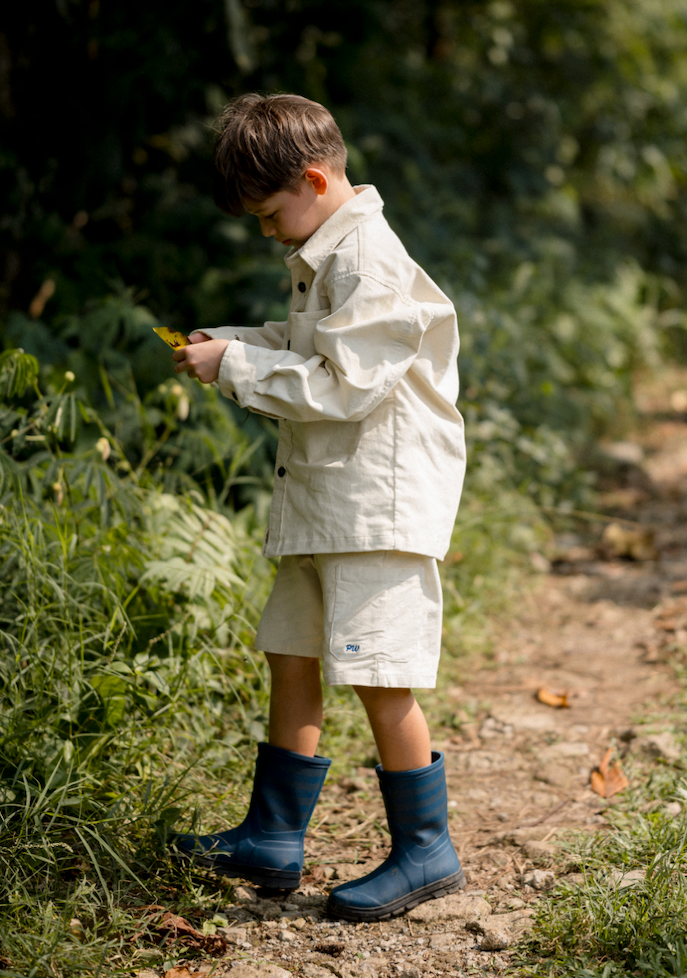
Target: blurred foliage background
column 532, row 156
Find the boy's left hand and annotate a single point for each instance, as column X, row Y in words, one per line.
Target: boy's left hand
column 201, row 359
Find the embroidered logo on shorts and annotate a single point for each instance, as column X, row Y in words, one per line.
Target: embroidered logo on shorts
column 351, row 649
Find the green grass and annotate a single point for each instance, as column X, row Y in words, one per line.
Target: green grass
column 606, row 924
column 130, row 698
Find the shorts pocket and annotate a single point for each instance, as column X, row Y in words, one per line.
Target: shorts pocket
column 375, row 619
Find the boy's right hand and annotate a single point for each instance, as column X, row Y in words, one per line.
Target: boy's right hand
column 201, row 358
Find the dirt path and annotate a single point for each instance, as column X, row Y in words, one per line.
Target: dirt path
column 599, row 629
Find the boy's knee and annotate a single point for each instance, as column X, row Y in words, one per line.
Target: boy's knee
column 381, row 698
column 292, row 666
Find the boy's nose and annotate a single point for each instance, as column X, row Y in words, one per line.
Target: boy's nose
column 267, row 228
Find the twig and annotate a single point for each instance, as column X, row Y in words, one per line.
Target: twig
column 314, row 829
column 543, row 818
column 503, row 872
column 359, row 828
column 202, row 530
column 116, row 645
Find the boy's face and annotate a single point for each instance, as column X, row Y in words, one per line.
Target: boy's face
column 289, row 217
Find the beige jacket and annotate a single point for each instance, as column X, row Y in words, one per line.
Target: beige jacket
column 363, row 378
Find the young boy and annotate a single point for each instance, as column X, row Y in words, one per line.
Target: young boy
column 363, row 379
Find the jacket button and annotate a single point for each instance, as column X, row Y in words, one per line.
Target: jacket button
column 302, row 286
column 281, row 471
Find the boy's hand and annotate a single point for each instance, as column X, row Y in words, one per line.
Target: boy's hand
column 202, row 358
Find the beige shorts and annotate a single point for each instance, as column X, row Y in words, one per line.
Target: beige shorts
column 373, row 618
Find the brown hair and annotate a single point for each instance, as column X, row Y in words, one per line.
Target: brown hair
column 267, row 142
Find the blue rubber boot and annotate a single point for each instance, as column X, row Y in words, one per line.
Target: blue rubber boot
column 267, row 847
column 422, row 864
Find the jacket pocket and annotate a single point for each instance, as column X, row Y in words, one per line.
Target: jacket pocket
column 301, row 331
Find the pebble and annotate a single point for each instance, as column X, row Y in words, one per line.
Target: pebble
column 233, row 935
column 259, row 969
column 631, row 878
column 457, row 906
column 539, row 852
column 539, row 879
column 660, row 746
column 245, row 894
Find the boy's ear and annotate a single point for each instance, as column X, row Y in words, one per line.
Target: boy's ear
column 317, row 180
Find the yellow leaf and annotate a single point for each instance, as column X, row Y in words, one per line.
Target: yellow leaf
column 172, row 337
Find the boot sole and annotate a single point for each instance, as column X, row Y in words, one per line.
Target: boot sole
column 273, row 879
column 450, row 884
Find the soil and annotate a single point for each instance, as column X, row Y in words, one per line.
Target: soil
column 602, row 631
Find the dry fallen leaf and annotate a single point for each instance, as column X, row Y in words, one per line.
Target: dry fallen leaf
column 608, row 779
column 178, row 925
column 636, row 543
column 551, row 698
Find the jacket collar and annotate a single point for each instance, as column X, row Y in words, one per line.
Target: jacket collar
column 322, row 243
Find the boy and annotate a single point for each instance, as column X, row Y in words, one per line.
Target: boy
column 363, row 379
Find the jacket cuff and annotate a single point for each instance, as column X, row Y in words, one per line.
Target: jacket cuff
column 237, row 376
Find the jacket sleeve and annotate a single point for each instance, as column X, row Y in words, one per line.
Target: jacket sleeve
column 270, row 336
column 362, row 349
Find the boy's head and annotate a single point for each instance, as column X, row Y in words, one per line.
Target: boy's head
column 267, row 142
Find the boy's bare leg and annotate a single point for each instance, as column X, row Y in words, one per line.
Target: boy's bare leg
column 399, row 727
column 295, row 703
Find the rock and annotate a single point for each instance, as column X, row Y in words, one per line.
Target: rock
column 494, row 728
column 245, row 894
column 258, row 969
column 494, row 932
column 660, row 746
column 518, row 837
column 553, row 773
column 286, row 935
column 311, row 970
column 147, row 974
column 500, row 931
column 539, row 852
column 625, row 880
column 495, row 939
column 410, row 971
column 539, row 879
column 672, row 809
column 457, row 906
column 572, row 879
column 233, row 935
column 306, row 901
